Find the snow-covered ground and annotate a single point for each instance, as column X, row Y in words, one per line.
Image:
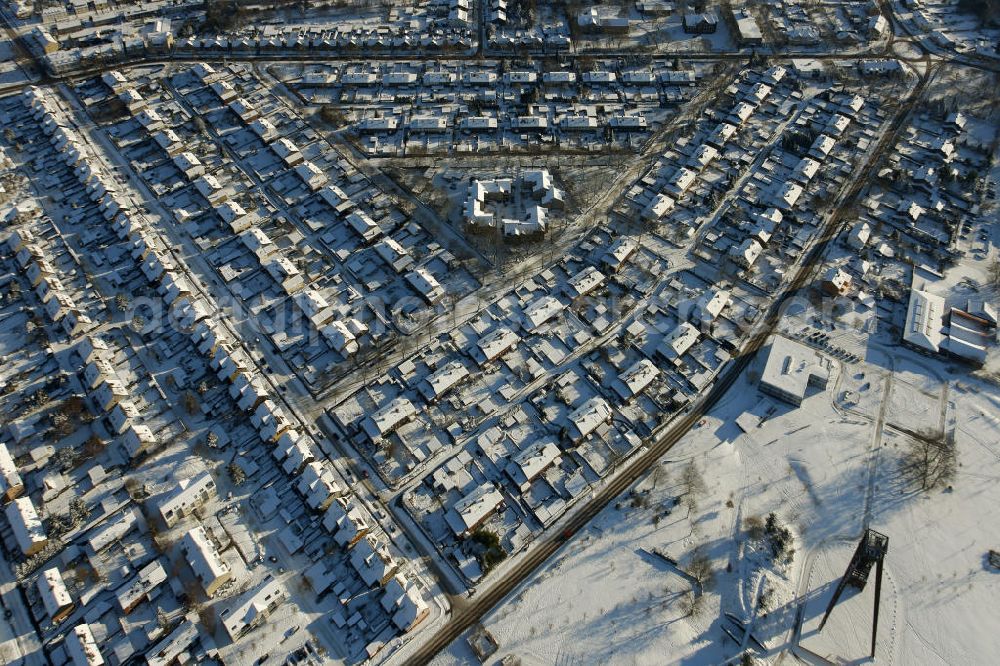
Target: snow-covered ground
column 607, row 597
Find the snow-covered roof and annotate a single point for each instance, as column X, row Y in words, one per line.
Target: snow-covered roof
column 26, row 525
column 859, row 235
column 443, row 380
column 114, row 79
column 836, row 278
column 244, row 109
column 205, row 72
column 577, row 121
column 334, row 197
column 480, row 77
column 822, row 146
column 530, row 122
column 774, row 74
column 659, row 206
column 166, row 138
column 359, row 78
column 311, row 175
column 282, row 269
column 980, row 308
column 253, row 607
column 388, row 418
column 428, row 123
column 10, row 480
column 599, row 76
column 805, row 170
column 854, row 103
column 188, row 162
column 586, row 418
column 703, row 155
column 758, row 93
column 52, row 590
column 682, row 179
column 532, row 461
column 584, row 282
column 741, row 112
column 131, row 97
column 318, row 484
column 710, row 304
column 340, row 337
column 82, row 648
column 541, row 310
column 111, row 530
column 258, row 242
column 263, row 128
column 208, row 185
column 363, row 225
column 224, row 90
column 188, row 493
column 399, row 78
column 410, row 607
column 425, row 284
column 632, row 120
column 393, row 253
column 170, row 647
column 286, row 150
column 472, row 509
column 559, row 77
column 479, row 123
column 497, row 342
column 347, row 521
column 204, row 559
column 371, row 559
column 838, row 123
column 787, row 195
column 618, row 253
column 924, row 321
column 679, row 341
column 791, row 367
column 145, row 581
column 532, row 222
column 636, row 378
column 311, row 302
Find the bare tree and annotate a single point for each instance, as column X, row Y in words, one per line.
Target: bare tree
column 930, row 462
column 190, row 401
column 995, row 274
column 693, row 604
column 207, row 617
column 693, row 484
column 755, row 527
column 659, row 472
column 701, row 567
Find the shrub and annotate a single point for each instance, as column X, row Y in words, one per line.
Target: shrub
column 491, row 553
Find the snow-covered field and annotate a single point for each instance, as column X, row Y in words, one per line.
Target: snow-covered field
column 607, row 597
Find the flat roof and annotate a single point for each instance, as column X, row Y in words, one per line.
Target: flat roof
column 791, row 366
